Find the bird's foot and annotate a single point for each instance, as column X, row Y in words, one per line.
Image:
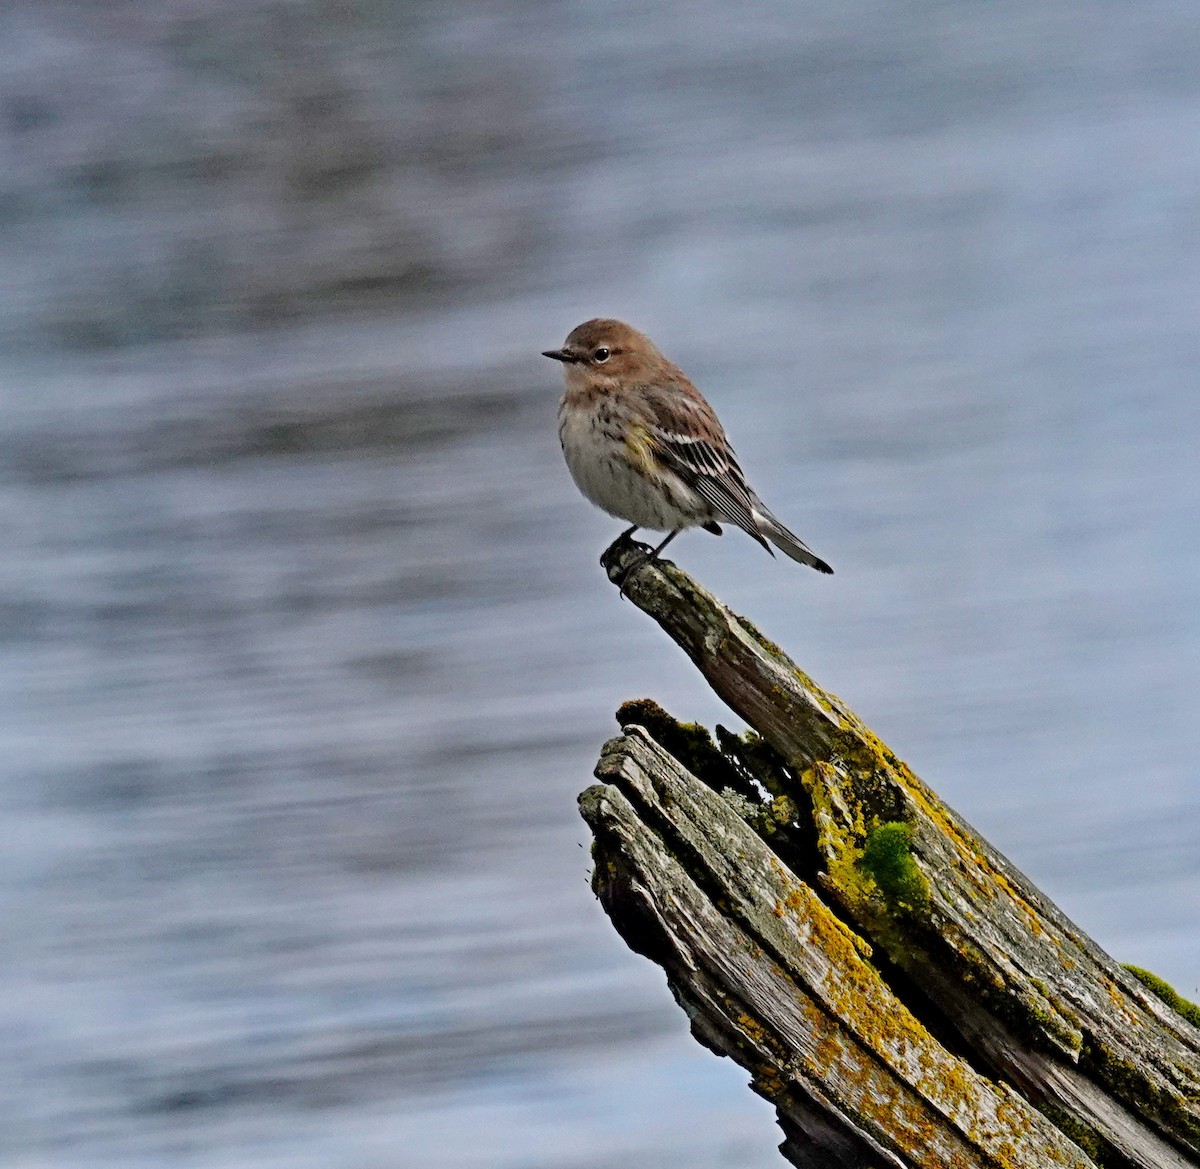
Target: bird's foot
column 623, row 557
column 616, row 552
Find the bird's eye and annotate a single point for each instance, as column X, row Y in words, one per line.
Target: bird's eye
column 601, row 355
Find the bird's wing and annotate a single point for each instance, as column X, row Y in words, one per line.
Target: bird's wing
column 686, row 437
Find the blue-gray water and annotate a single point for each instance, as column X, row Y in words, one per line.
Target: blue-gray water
column 304, row 648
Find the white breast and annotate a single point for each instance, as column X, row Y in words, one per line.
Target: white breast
column 600, row 464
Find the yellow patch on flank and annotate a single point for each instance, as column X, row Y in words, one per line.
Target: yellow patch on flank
column 640, row 446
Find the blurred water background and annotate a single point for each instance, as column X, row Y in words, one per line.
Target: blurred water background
column 304, row 649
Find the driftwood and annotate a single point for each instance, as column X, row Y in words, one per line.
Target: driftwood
column 900, row 992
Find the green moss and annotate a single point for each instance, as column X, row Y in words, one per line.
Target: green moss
column 887, row 858
column 1086, row 1138
column 1189, row 1010
column 781, row 813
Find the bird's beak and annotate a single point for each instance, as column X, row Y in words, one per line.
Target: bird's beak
column 563, row 355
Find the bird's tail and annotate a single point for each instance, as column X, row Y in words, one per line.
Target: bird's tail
column 786, row 541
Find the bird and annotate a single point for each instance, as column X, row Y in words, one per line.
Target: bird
column 643, row 444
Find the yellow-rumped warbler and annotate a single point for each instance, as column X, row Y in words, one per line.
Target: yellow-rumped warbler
column 643, row 445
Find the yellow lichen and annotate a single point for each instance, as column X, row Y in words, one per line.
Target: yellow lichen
column 753, row 1029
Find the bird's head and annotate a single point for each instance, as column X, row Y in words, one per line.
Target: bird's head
column 605, row 352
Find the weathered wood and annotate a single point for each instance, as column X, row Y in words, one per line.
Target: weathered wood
column 769, row 971
column 971, row 950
